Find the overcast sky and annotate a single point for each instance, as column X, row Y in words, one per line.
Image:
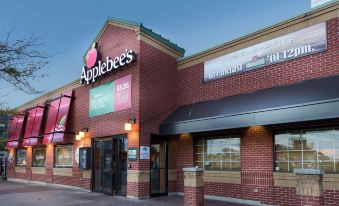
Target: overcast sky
column 68, row 27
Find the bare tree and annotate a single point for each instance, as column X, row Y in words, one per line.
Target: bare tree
column 21, row 62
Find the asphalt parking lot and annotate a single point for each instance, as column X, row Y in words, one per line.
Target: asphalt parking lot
column 14, row 194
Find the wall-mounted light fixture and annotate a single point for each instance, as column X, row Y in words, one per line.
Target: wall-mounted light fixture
column 81, row 134
column 128, row 125
column 77, row 137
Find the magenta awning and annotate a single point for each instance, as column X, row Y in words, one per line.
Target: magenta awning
column 15, row 130
column 57, row 116
column 33, row 125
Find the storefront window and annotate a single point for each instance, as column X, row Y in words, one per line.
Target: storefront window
column 63, row 156
column 39, row 156
column 307, row 149
column 21, row 157
column 218, row 153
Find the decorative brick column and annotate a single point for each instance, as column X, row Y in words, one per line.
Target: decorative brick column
column 138, row 184
column 193, row 187
column 310, row 187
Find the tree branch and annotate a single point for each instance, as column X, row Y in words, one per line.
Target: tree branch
column 21, row 62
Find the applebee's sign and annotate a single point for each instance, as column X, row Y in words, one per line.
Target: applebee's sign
column 95, row 69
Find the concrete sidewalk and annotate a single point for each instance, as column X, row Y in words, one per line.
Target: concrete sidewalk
column 14, row 194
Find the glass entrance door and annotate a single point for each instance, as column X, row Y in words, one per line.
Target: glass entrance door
column 110, row 165
column 103, row 166
column 158, row 168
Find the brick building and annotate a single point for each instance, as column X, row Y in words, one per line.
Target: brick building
column 251, row 112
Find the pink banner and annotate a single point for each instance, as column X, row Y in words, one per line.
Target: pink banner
column 122, row 93
column 12, row 128
column 37, row 121
column 51, row 118
column 19, row 125
column 30, row 122
column 60, row 124
column 57, row 119
column 15, row 130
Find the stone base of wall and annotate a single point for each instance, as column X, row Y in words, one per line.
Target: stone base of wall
column 275, row 195
column 223, row 198
column 49, row 178
column 73, row 181
column 222, row 189
column 138, row 184
column 47, row 184
column 42, row 178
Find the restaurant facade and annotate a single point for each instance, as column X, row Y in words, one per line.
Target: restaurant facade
column 250, row 112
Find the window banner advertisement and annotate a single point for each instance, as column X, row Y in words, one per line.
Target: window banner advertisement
column 57, row 119
column 61, row 121
column 37, row 121
column 122, row 93
column 30, row 123
column 101, row 99
column 294, row 45
column 51, row 118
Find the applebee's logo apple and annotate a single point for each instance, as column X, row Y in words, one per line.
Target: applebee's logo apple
column 95, row 68
column 92, row 56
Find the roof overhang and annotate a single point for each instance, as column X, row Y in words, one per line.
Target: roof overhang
column 144, row 34
column 316, row 99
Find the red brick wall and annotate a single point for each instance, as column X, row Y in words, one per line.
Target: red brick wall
column 331, row 197
column 180, row 155
column 192, row 90
column 286, row 196
column 157, row 91
column 256, row 146
column 194, row 196
column 172, row 161
column 10, row 166
column 222, row 189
